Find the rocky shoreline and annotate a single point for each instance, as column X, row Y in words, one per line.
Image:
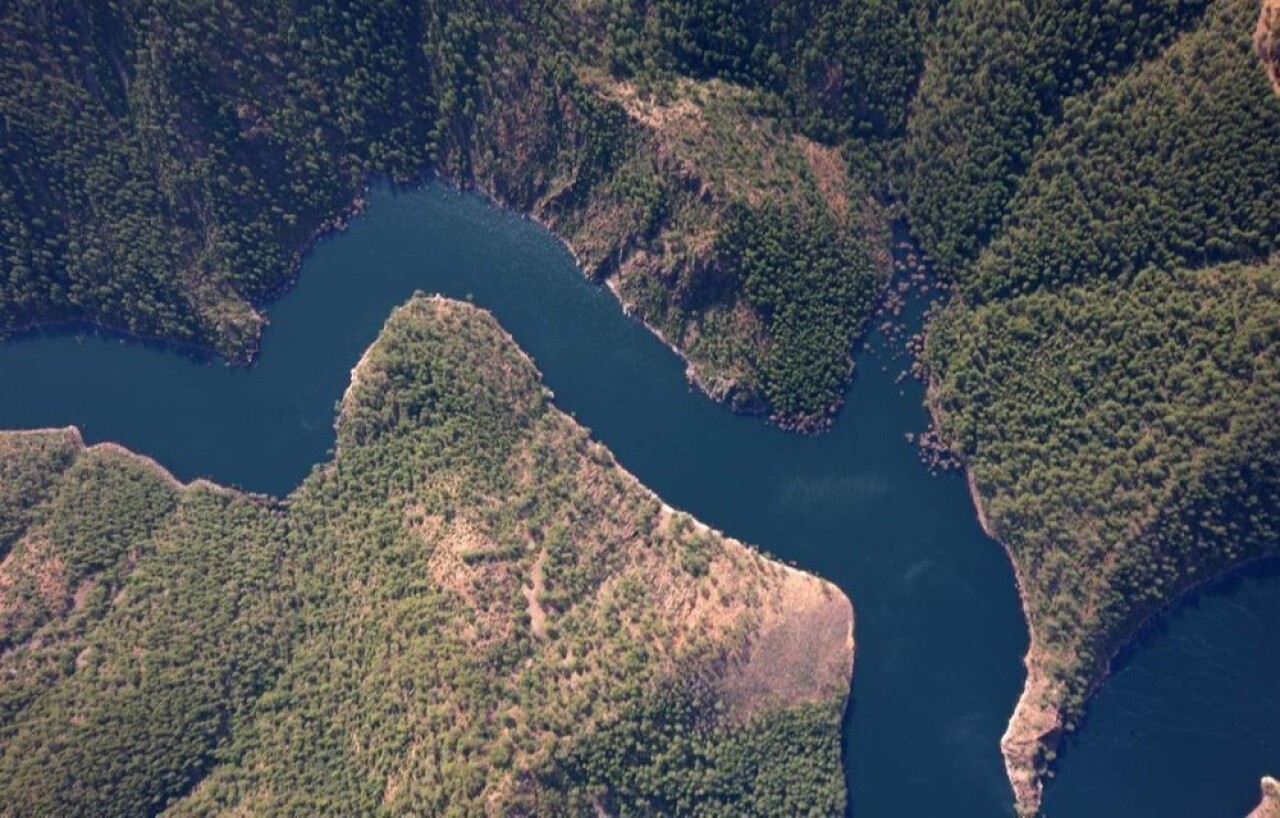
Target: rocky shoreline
column 1036, row 727
column 1036, row 723
column 1269, row 807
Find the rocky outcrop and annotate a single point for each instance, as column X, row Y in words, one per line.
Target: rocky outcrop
column 1036, row 724
column 1270, row 805
column 1034, row 730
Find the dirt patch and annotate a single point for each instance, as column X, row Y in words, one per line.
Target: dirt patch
column 831, row 176
column 532, row 597
column 453, row 562
column 683, row 112
column 802, row 652
column 33, row 585
column 1266, row 39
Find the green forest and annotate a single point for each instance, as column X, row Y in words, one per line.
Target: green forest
column 469, row 609
column 1096, row 179
column 1110, row 371
column 164, row 164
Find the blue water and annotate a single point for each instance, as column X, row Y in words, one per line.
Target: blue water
column 939, row 633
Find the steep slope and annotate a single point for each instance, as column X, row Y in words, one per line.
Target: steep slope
column 1120, row 441
column 471, row 610
column 1173, row 166
column 166, row 162
column 998, row 76
column 1113, row 406
column 142, row 619
column 757, row 253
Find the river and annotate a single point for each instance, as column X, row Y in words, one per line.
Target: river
column 1186, row 728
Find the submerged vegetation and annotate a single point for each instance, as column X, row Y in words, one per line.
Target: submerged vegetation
column 471, row 610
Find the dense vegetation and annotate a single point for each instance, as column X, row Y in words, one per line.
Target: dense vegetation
column 471, row 610
column 667, row 757
column 1098, row 178
column 841, row 70
column 163, row 163
column 1173, row 166
column 1153, row 461
column 999, row 74
column 1109, row 373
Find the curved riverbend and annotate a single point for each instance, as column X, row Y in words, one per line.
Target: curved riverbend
column 940, row 630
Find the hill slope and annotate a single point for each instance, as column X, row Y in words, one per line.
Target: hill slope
column 471, row 610
column 1110, row 375
column 165, row 163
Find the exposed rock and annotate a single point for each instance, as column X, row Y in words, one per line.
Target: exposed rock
column 1270, row 806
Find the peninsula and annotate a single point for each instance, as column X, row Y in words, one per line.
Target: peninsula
column 472, row 608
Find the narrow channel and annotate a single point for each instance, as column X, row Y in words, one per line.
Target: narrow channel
column 939, row 630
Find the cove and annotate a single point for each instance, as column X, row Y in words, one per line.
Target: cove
column 939, row 631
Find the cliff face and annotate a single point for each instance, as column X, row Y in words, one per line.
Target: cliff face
column 473, row 606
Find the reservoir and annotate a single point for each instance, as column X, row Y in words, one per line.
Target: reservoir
column 1185, row 729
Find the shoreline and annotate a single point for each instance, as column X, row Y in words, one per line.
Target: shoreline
column 1030, row 722
column 145, row 461
column 1269, row 806
column 198, row 351
column 204, row 352
column 791, row 573
column 1035, row 723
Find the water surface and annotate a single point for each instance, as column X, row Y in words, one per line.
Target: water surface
column 939, row 633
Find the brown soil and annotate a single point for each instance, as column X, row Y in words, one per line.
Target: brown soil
column 830, row 173
column 802, row 652
column 533, row 598
column 1266, row 39
column 33, row 584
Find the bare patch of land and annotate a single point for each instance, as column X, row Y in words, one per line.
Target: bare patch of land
column 1266, row 38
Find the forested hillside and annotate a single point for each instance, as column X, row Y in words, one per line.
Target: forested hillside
column 999, row 75
column 164, row 163
column 471, row 610
column 1098, row 180
column 1110, row 372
